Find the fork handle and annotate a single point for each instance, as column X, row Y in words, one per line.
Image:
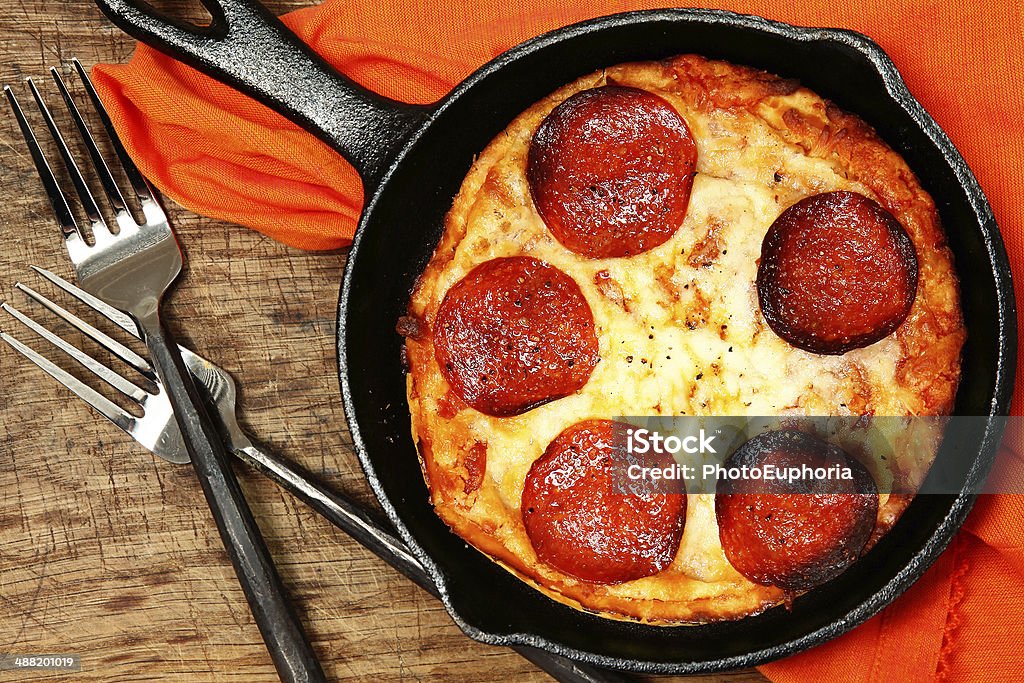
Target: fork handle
column 278, row 623
column 374, row 534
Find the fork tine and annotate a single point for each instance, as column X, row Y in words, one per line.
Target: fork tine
column 81, row 187
column 98, row 162
column 135, row 177
column 101, row 403
column 66, row 219
column 133, row 359
column 91, row 364
column 115, row 316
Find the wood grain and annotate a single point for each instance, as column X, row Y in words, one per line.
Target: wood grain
column 110, row 554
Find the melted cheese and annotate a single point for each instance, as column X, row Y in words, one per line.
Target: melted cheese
column 680, row 327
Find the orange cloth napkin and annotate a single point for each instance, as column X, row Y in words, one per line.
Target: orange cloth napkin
column 220, row 154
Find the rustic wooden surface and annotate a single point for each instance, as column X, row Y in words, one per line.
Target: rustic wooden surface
column 110, row 554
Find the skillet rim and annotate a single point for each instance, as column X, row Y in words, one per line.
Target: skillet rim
column 1004, row 364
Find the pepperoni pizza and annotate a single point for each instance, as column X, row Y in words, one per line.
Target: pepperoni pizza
column 686, row 237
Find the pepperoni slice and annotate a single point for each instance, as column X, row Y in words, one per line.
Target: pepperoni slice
column 585, row 518
column 838, row 272
column 794, row 534
column 514, row 334
column 610, row 171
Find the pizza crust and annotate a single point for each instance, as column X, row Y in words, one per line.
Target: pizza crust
column 679, row 326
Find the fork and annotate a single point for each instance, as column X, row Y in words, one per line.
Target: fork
column 157, row 431
column 130, row 270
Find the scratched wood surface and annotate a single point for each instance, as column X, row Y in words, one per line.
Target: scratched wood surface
column 111, row 554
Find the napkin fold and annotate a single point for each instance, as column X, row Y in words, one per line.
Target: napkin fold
column 220, row 154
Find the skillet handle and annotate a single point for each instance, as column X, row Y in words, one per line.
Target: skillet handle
column 247, row 47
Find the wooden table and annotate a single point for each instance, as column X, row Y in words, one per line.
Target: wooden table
column 111, row 554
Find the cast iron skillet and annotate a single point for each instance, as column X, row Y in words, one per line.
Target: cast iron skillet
column 412, row 160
